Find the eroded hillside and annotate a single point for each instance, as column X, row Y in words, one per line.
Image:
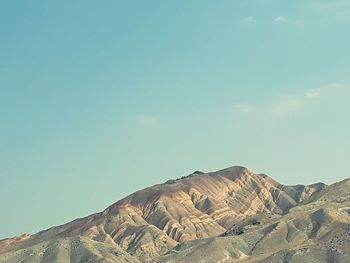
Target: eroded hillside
column 229, row 215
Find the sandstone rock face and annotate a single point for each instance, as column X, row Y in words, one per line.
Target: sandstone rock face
column 231, row 214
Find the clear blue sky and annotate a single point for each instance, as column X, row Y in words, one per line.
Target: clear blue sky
column 101, row 98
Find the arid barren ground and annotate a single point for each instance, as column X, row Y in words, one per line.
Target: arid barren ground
column 231, row 215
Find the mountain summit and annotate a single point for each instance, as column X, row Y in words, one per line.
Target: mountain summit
column 231, row 215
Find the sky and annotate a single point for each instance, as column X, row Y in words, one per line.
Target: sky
column 99, row 99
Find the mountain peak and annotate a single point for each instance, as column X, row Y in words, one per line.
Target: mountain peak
column 152, row 221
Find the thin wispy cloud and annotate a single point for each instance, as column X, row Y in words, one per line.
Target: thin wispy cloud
column 281, row 19
column 284, row 105
column 279, row 107
column 312, row 93
column 336, row 8
column 331, row 89
column 331, row 6
column 249, row 19
column 337, row 86
column 277, row 20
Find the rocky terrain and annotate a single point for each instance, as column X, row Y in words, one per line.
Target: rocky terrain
column 231, row 215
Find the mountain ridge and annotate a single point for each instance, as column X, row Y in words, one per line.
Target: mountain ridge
column 150, row 223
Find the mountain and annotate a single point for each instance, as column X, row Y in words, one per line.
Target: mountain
column 231, row 215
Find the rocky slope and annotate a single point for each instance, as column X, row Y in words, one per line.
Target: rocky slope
column 225, row 216
column 316, row 230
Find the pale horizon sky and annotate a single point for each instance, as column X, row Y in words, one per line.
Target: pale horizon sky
column 100, row 99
